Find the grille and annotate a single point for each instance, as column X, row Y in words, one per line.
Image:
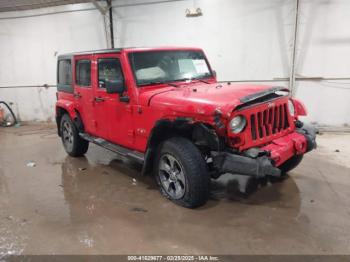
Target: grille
column 270, row 121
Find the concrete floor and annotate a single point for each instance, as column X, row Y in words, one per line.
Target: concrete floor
column 100, row 205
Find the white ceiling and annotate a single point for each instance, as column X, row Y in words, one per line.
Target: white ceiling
column 15, row 5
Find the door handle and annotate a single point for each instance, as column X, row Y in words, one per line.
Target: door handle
column 77, row 95
column 99, row 99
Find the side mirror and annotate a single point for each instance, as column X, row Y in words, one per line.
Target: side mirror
column 214, row 73
column 115, row 86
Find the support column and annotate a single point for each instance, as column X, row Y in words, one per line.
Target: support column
column 107, row 13
column 292, row 87
column 109, row 4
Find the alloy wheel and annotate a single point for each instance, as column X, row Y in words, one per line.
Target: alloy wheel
column 172, row 177
column 67, row 134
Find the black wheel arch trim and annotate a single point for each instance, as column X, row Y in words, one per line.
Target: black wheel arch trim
column 196, row 132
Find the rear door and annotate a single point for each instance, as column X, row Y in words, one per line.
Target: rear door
column 113, row 117
column 83, row 94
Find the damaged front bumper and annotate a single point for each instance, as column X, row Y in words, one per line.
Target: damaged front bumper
column 243, row 165
column 264, row 161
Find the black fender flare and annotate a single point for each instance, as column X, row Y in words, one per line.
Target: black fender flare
column 163, row 129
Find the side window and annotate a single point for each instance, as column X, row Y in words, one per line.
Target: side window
column 109, row 70
column 83, row 73
column 64, row 72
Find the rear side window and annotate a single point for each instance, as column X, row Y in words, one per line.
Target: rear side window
column 64, row 76
column 83, row 73
column 64, row 72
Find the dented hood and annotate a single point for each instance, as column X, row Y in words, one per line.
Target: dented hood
column 201, row 98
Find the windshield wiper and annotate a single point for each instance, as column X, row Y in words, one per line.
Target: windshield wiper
column 190, row 79
column 201, row 80
column 171, row 84
column 158, row 83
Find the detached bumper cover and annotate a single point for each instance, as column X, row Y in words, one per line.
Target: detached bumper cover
column 260, row 162
column 243, row 165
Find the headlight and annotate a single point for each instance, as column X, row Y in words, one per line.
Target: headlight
column 237, row 124
column 291, row 107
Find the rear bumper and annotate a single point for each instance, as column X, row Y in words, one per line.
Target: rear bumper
column 260, row 162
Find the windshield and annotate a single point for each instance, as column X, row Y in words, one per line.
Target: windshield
column 156, row 67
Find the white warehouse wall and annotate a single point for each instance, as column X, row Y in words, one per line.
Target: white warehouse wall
column 244, row 40
column 29, row 48
column 324, row 51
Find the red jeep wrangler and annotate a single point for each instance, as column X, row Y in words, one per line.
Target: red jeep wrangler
column 163, row 107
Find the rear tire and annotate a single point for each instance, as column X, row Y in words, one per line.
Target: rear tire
column 74, row 145
column 181, row 173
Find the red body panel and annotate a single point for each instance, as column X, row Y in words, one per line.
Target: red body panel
column 300, row 108
column 66, row 101
column 130, row 124
column 204, row 99
column 112, row 116
column 285, row 147
column 83, row 99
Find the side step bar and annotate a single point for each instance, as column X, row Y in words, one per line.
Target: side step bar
column 120, row 150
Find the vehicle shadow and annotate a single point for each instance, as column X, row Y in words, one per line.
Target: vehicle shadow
column 250, row 191
column 104, row 181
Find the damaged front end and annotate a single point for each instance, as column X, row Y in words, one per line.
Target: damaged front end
column 260, row 166
column 265, row 161
column 263, row 133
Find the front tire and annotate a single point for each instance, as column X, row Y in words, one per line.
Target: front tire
column 181, row 173
column 74, row 145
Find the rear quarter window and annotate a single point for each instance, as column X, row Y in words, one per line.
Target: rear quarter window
column 64, row 76
column 83, row 73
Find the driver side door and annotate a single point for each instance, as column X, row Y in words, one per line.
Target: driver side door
column 113, row 117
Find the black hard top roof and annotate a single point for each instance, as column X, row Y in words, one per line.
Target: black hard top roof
column 91, row 52
column 117, row 50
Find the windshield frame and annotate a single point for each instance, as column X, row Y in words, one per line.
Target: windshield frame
column 141, row 85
